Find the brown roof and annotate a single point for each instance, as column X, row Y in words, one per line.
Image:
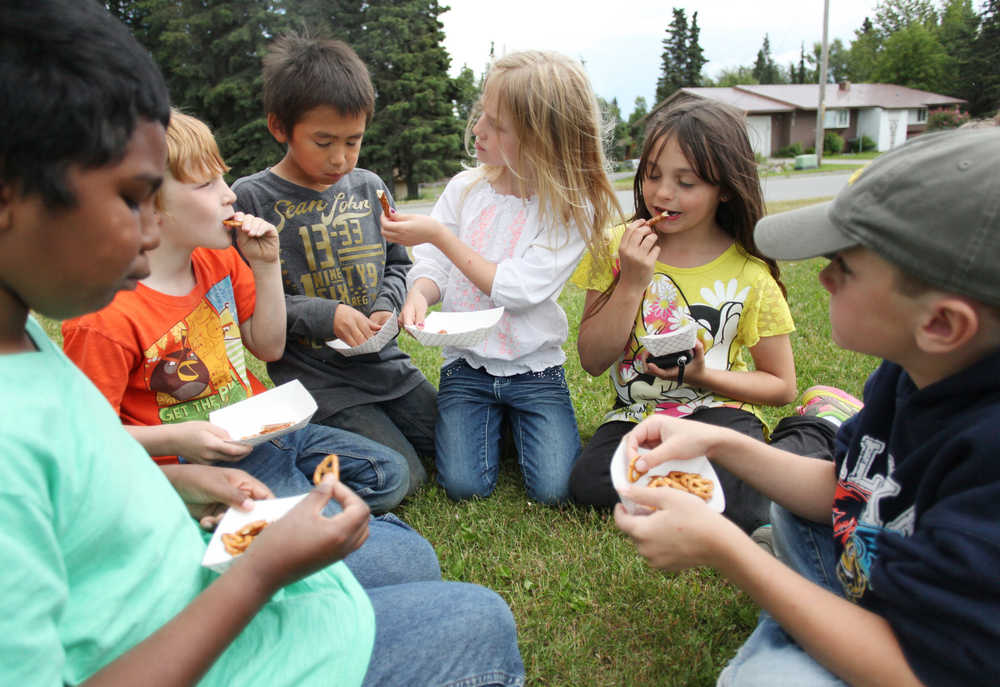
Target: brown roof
column 786, row 97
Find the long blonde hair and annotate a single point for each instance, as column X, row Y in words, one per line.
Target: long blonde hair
column 546, row 99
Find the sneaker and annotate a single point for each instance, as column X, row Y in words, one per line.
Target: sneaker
column 763, row 536
column 830, row 403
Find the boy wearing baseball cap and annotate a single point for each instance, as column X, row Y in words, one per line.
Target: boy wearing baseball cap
column 887, row 555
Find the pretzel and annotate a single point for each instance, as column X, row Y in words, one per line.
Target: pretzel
column 237, row 542
column 658, row 218
column 385, row 202
column 633, row 474
column 330, row 464
column 232, row 223
column 691, row 482
column 269, row 429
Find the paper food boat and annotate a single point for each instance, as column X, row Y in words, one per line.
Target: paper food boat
column 681, row 339
column 266, row 416
column 270, row 510
column 463, row 329
column 373, row 345
column 700, row 465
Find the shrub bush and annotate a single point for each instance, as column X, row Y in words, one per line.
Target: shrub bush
column 790, row 150
column 867, row 144
column 833, row 142
column 945, row 119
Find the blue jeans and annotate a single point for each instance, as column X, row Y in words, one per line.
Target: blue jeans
column 770, row 656
column 430, row 632
column 472, row 407
column 404, row 424
column 286, row 464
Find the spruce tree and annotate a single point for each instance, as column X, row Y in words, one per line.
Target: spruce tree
column 416, row 134
column 673, row 72
column 695, row 57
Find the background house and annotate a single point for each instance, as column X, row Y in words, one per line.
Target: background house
column 778, row 115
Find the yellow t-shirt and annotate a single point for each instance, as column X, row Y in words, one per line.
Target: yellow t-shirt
column 733, row 299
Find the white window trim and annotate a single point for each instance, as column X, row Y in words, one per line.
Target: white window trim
column 839, row 118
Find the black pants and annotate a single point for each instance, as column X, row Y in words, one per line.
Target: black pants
column 590, row 482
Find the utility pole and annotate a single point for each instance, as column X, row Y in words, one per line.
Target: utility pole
column 821, row 108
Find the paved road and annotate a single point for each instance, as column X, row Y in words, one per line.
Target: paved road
column 794, row 187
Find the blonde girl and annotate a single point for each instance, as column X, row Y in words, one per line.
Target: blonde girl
column 509, row 233
column 697, row 264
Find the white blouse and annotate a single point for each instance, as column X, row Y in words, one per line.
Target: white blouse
column 533, row 264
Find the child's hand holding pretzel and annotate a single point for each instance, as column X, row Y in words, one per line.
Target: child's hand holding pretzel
column 637, row 254
column 256, row 238
column 411, row 230
column 304, row 540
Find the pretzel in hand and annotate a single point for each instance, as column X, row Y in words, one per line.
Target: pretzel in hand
column 385, row 202
column 232, row 223
column 330, row 464
column 237, row 542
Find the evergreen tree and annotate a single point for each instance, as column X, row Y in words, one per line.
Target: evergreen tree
column 673, row 72
column 209, row 52
column 415, row 134
column 985, row 62
column 695, row 58
column 957, row 31
column 765, row 71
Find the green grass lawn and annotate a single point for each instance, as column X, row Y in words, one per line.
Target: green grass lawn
column 589, row 611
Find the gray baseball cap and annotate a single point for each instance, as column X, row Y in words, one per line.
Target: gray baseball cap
column 931, row 207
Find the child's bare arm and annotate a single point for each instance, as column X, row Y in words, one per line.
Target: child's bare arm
column 772, row 382
column 803, row 485
column 410, row 230
column 196, row 440
column 264, row 331
column 603, row 334
column 296, row 545
column 423, row 294
column 684, row 532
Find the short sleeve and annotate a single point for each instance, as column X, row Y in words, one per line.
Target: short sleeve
column 767, row 313
column 594, row 275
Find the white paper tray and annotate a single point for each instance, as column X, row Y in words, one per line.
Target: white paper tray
column 456, row 328
column 619, row 477
column 290, row 402
column 215, row 556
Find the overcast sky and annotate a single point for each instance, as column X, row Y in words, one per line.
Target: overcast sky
column 620, row 42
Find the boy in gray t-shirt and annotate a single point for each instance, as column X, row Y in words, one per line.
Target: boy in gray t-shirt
column 342, row 279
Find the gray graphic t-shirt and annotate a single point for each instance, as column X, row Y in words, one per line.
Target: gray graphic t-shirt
column 333, row 252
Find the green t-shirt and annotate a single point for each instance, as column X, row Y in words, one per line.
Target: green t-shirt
column 98, row 551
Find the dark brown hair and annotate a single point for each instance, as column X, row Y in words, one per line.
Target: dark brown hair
column 301, row 73
column 713, row 138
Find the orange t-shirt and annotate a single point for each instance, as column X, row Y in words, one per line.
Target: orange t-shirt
column 161, row 359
